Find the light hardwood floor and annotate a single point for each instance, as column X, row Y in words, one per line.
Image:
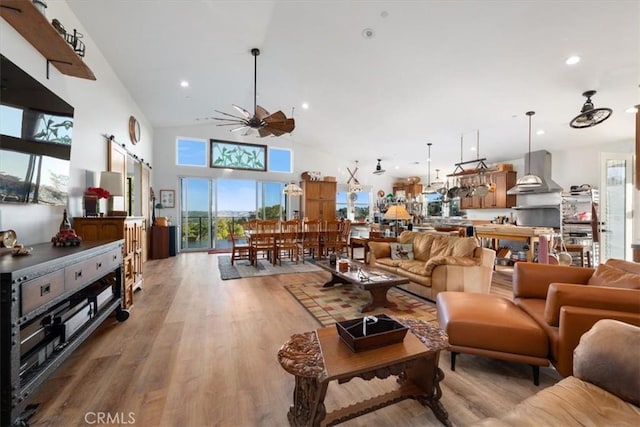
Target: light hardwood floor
column 199, row 351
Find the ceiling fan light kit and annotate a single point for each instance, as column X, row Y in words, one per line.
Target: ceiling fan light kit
column 589, row 115
column 529, row 181
column 266, row 124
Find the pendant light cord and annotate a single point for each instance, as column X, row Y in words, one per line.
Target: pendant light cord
column 529, row 113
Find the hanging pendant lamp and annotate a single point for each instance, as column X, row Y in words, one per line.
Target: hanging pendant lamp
column 429, row 189
column 529, row 180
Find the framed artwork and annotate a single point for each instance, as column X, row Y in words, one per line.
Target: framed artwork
column 167, row 198
column 237, row 155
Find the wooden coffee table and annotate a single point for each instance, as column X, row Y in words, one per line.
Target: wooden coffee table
column 315, row 358
column 378, row 281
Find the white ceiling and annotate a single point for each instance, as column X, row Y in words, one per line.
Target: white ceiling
column 433, row 71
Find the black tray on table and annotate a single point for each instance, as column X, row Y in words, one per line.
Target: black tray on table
column 384, row 332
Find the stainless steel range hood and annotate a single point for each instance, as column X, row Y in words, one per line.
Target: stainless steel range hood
column 540, row 166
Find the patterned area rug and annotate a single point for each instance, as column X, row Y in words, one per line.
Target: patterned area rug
column 264, row 268
column 342, row 302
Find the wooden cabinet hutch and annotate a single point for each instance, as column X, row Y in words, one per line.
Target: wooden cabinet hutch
column 318, row 200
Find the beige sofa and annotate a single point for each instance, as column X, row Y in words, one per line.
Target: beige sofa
column 439, row 262
column 604, row 390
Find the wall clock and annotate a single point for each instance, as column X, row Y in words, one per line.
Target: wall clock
column 134, row 130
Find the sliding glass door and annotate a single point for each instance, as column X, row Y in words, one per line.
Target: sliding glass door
column 209, row 206
column 196, row 221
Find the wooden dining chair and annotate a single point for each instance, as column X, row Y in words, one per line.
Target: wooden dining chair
column 331, row 237
column 310, row 240
column 263, row 240
column 287, row 241
column 239, row 251
column 346, row 233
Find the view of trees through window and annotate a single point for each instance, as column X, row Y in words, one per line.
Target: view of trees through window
column 361, row 204
column 209, row 206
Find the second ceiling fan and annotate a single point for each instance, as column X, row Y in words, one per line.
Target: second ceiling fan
column 266, row 124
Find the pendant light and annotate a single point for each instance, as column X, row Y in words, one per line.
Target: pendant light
column 437, row 183
column 429, row 189
column 529, row 180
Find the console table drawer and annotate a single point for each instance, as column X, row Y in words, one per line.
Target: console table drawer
column 41, row 290
column 87, row 271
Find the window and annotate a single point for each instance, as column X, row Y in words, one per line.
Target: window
column 191, row 152
column 280, row 160
column 353, row 205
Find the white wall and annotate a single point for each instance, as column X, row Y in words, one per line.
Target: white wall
column 305, row 158
column 101, row 107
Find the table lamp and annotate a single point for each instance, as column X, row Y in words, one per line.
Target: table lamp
column 113, row 183
column 396, row 212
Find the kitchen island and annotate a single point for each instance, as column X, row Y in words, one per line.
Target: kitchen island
column 530, row 235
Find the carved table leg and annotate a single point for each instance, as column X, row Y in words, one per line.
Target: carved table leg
column 433, row 401
column 308, row 403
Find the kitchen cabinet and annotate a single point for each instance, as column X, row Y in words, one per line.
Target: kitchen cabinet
column 132, row 230
column 411, row 190
column 34, row 27
column 501, row 182
column 318, row 200
column 50, row 303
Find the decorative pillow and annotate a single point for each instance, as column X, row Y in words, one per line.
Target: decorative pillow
column 607, row 356
column 380, row 249
column 614, row 278
column 400, row 251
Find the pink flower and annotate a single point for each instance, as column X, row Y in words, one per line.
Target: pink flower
column 100, row 192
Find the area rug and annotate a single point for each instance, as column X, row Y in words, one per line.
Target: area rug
column 342, row 302
column 265, row 268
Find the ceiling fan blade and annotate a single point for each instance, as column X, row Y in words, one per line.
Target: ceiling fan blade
column 278, row 116
column 282, row 127
column 229, row 120
column 274, row 131
column 238, row 128
column 244, row 112
column 261, row 112
column 230, row 115
column 264, row 132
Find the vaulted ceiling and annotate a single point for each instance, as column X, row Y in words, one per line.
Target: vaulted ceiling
column 383, row 78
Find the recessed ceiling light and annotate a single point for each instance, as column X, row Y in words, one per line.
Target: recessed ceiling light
column 540, row 132
column 184, row 83
column 631, row 110
column 305, row 105
column 572, row 60
column 368, row 33
column 384, row 14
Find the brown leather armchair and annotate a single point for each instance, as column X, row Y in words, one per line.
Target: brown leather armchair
column 566, row 305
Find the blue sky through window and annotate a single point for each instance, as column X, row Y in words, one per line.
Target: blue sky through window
column 280, row 160
column 191, row 152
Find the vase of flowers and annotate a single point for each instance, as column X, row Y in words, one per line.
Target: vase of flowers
column 92, row 200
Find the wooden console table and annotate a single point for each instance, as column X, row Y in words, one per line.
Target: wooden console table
column 315, row 358
column 36, row 290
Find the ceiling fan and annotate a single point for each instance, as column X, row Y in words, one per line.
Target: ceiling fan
column 379, row 170
column 590, row 116
column 266, row 124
